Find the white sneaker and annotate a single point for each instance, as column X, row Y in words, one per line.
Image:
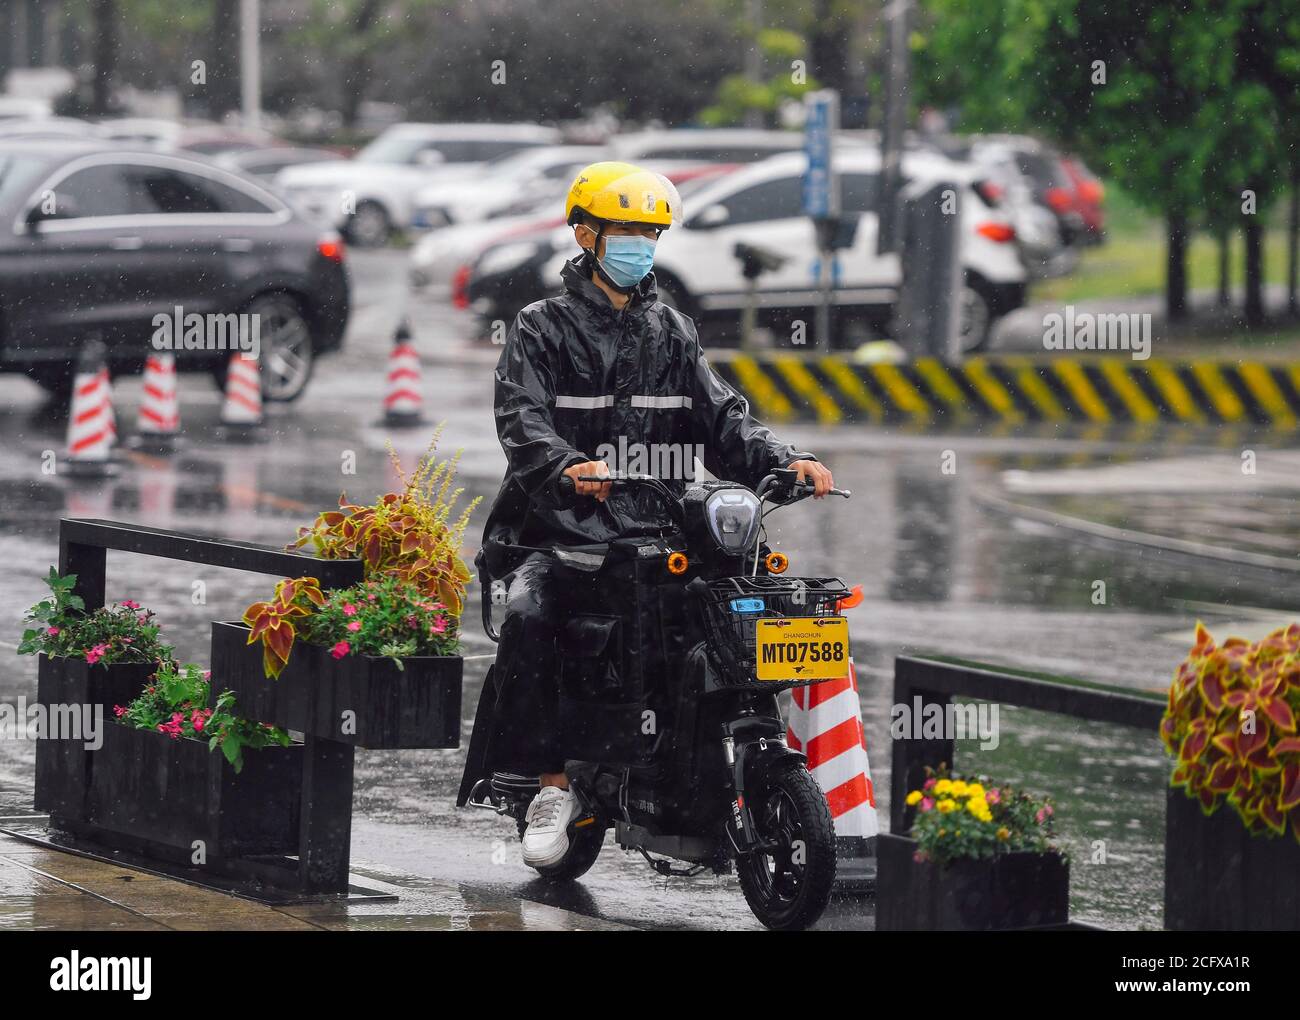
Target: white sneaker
column 546, row 840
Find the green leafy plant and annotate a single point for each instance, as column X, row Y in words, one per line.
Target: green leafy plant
column 1231, row 725
column 60, row 626
column 969, row 819
column 408, row 534
column 176, row 703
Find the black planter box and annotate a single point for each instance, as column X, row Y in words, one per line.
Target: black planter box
column 62, row 765
column 364, row 701
column 158, row 791
column 1220, row 877
column 1015, row 890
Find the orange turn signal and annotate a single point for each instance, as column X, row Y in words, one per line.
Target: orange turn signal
column 777, row 562
column 677, row 563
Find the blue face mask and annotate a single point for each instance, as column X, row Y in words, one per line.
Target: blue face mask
column 628, row 258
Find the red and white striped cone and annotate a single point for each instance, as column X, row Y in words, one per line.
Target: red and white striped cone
column 826, row 724
column 403, row 395
column 241, row 411
column 91, row 424
column 158, row 421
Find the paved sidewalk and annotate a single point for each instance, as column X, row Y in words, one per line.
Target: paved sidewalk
column 51, row 890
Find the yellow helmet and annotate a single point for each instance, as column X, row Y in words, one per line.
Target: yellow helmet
column 622, row 193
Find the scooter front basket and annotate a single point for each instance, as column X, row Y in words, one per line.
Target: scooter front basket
column 733, row 605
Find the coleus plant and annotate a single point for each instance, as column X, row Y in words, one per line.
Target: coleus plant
column 408, row 534
column 273, row 623
column 1231, row 725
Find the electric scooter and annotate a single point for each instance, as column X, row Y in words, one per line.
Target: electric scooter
column 670, row 666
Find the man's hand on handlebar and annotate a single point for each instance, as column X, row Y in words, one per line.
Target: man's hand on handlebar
column 817, row 473
column 590, row 468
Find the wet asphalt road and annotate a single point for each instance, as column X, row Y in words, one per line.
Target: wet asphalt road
column 945, row 568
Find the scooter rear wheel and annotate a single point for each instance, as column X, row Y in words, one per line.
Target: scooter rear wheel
column 788, row 885
column 584, row 848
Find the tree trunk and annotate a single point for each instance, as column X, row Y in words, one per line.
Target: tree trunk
column 1225, row 269
column 1254, row 237
column 1176, row 266
column 357, row 73
column 223, row 88
column 1293, row 245
column 104, row 19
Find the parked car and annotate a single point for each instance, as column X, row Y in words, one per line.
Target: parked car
column 95, row 241
column 704, row 145
column 503, row 181
column 370, row 195
column 1071, row 193
column 45, row 127
column 761, row 205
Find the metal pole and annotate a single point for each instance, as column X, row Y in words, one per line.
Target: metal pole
column 895, row 123
column 250, row 62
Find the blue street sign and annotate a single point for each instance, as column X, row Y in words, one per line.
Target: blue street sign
column 821, row 198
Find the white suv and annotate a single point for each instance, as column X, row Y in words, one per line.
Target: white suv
column 696, row 268
column 373, row 193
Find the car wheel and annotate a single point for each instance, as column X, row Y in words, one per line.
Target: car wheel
column 288, row 352
column 976, row 319
column 369, row 226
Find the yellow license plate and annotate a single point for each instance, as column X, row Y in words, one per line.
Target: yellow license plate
column 805, row 648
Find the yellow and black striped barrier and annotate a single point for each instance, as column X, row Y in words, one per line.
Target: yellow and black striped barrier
column 833, row 389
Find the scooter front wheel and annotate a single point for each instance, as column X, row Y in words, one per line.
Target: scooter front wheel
column 787, row 884
column 584, row 848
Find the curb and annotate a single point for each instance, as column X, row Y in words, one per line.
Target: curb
column 833, row 390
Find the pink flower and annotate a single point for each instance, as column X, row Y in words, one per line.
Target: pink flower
column 412, row 620
column 129, row 603
column 439, row 626
column 349, row 609
column 993, row 797
column 119, row 711
column 96, row 653
column 1040, row 816
column 341, row 649
column 929, row 783
column 927, row 804
column 197, row 720
column 1048, row 809
column 51, row 631
column 370, row 598
column 354, row 626
column 207, row 674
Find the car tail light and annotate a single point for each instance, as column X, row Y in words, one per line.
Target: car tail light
column 331, row 247
column 1091, row 192
column 990, row 192
column 1058, row 199
column 460, row 287
column 1000, row 232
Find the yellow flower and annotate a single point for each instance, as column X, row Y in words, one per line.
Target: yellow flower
column 942, row 787
column 975, row 790
column 914, row 798
column 1004, row 834
column 958, row 788
column 946, row 805
column 979, row 808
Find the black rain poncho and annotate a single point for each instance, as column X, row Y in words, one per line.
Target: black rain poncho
column 579, row 381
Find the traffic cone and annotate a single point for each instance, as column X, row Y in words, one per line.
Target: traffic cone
column 158, row 422
column 826, row 724
column 403, row 398
column 91, row 424
column 241, row 411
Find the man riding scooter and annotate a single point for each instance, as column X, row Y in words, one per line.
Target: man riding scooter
column 604, row 366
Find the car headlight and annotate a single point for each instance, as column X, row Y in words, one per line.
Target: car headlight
column 734, row 517
column 507, row 257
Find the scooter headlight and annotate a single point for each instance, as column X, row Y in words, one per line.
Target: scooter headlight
column 734, row 516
